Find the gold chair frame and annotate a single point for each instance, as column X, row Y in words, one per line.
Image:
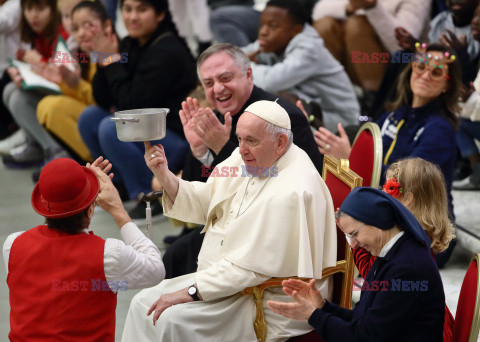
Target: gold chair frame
column 476, row 311
column 377, row 153
column 341, row 170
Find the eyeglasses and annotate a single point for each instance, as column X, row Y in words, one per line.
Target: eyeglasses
column 355, row 232
column 349, row 236
column 436, row 72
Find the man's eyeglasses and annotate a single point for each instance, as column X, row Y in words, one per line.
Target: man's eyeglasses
column 436, row 73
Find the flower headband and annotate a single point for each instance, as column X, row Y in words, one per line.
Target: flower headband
column 424, row 57
column 392, row 187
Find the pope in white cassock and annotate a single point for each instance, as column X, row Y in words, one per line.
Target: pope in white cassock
column 258, row 225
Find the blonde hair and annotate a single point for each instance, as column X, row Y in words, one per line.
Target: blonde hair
column 425, row 182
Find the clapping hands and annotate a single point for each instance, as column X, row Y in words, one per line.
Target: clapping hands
column 307, row 300
column 449, row 39
column 329, row 143
column 202, row 128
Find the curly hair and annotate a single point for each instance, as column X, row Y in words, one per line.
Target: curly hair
column 425, row 182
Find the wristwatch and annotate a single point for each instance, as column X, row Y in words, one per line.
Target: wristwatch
column 193, row 292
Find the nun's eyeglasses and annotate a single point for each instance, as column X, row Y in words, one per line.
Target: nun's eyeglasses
column 348, row 235
column 355, row 232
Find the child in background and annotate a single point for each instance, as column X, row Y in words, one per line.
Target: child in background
column 151, row 68
column 40, row 26
column 290, row 59
column 89, row 26
column 469, row 130
column 9, row 43
column 419, row 185
column 65, row 7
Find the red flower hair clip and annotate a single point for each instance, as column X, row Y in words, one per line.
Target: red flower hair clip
column 392, row 187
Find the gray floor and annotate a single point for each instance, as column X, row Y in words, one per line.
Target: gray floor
column 16, row 214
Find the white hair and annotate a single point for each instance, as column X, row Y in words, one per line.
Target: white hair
column 275, row 131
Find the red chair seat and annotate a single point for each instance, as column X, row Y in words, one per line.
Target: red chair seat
column 467, row 303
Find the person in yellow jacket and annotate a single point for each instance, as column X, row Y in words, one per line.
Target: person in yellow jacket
column 90, row 27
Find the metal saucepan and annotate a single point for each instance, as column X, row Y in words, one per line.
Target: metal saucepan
column 141, row 124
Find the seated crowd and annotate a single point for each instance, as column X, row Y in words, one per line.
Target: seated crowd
column 272, row 86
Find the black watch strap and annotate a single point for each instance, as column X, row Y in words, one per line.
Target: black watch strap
column 193, row 292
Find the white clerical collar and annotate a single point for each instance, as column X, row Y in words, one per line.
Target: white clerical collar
column 390, row 244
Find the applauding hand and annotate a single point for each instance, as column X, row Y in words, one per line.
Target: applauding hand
column 190, row 107
column 329, row 143
column 307, row 300
column 211, row 131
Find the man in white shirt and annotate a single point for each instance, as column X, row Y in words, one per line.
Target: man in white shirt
column 60, row 274
column 267, row 213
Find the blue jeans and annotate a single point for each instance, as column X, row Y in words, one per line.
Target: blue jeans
column 100, row 136
column 235, row 24
column 466, row 135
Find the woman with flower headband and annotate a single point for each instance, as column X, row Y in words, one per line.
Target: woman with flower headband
column 421, row 122
column 419, row 185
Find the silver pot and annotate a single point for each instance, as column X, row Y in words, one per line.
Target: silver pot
column 141, row 124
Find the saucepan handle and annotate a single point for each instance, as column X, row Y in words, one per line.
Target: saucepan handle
column 124, row 120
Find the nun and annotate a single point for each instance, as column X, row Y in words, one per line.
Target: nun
column 402, row 298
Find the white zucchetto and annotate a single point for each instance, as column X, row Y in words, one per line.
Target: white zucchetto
column 270, row 111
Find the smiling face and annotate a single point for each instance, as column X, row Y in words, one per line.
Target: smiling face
column 424, row 87
column 368, row 237
column 227, row 87
column 38, row 16
column 87, row 29
column 140, row 19
column 276, row 29
column 256, row 145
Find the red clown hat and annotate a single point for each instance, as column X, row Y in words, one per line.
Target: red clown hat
column 64, row 189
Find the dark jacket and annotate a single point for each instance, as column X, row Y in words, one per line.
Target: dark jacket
column 426, row 134
column 411, row 308
column 302, row 137
column 159, row 74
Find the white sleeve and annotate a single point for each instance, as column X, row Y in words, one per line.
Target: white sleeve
column 10, row 16
column 7, row 246
column 133, row 264
column 225, row 279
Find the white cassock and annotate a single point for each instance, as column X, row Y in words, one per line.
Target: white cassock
column 255, row 228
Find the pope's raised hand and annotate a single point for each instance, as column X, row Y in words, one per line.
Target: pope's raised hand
column 156, row 161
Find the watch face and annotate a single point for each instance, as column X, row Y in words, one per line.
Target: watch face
column 192, row 290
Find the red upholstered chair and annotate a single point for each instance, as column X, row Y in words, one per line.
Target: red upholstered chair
column 340, row 180
column 366, row 155
column 467, row 318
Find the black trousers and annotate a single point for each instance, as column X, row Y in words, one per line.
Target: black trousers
column 6, row 119
column 181, row 257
